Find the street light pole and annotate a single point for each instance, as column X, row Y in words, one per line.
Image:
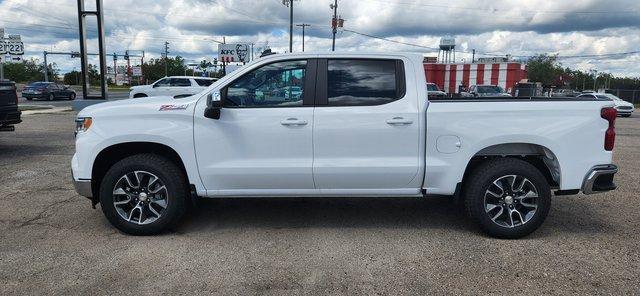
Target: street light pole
column 290, row 25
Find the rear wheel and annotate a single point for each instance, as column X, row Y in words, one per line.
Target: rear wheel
column 144, row 194
column 28, row 98
column 508, row 198
column 72, row 96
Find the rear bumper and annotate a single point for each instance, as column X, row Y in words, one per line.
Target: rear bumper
column 599, row 179
column 35, row 96
column 10, row 115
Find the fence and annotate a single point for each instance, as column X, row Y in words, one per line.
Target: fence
column 629, row 95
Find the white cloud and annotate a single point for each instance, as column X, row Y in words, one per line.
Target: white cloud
column 519, row 28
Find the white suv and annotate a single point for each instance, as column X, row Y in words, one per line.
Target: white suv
column 174, row 86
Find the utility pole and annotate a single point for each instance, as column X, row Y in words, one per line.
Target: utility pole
column 166, row 58
column 303, row 26
column 473, row 56
column 334, row 23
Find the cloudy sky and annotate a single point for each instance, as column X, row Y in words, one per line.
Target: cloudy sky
column 587, row 34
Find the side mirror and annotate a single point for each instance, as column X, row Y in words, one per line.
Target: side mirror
column 214, row 105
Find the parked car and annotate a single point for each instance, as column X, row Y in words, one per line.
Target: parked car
column 624, row 108
column 48, row 91
column 434, row 92
column 9, row 112
column 487, row 91
column 362, row 127
column 174, row 86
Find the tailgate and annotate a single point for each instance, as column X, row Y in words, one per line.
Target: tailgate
column 8, row 96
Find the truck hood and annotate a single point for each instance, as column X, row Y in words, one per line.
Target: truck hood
column 138, row 87
column 136, row 107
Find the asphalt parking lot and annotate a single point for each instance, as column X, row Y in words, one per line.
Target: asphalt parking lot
column 52, row 242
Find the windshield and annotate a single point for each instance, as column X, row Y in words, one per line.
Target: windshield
column 490, row 89
column 610, row 96
column 432, row 87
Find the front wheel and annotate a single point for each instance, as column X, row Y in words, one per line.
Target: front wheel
column 72, row 96
column 508, row 198
column 51, row 97
column 144, row 194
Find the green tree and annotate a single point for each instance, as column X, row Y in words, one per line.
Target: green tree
column 29, row 70
column 72, row 78
column 154, row 69
column 544, row 68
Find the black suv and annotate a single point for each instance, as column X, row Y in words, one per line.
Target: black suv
column 48, row 91
column 9, row 113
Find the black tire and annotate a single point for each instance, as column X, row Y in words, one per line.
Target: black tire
column 51, row 97
column 29, row 99
column 72, row 96
column 172, row 177
column 140, row 96
column 483, row 177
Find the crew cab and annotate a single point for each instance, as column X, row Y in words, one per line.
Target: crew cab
column 9, row 112
column 175, row 86
column 363, row 126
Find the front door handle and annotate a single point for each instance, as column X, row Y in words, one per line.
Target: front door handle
column 293, row 122
column 399, row 121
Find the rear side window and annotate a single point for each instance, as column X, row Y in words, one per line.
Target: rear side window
column 180, row 82
column 361, row 82
column 204, row 82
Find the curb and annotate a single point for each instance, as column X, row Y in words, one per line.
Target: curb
column 45, row 111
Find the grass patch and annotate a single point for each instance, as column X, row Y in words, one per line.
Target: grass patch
column 31, row 108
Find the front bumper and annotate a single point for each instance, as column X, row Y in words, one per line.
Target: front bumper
column 599, row 179
column 83, row 187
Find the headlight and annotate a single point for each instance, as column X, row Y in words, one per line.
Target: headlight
column 83, row 124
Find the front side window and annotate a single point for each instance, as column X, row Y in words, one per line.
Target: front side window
column 274, row 85
column 162, row 82
column 361, row 82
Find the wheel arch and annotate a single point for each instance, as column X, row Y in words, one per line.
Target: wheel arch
column 140, row 95
column 110, row 155
column 537, row 155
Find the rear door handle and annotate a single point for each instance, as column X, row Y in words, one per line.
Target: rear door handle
column 293, row 122
column 399, row 121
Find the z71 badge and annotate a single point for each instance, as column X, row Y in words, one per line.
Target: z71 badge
column 173, row 107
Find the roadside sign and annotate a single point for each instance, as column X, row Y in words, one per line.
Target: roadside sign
column 136, row 71
column 233, row 52
column 11, row 45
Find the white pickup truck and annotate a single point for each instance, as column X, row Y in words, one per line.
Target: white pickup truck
column 363, row 126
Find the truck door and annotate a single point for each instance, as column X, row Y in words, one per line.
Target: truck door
column 262, row 143
column 366, row 126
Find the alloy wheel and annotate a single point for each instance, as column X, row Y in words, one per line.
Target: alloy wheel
column 511, row 201
column 140, row 197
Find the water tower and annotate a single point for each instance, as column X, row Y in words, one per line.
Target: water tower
column 447, row 53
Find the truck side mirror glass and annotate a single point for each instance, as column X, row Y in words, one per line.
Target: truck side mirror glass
column 214, row 105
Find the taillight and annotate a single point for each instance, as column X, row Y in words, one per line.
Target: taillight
column 610, row 115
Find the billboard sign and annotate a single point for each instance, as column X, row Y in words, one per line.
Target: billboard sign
column 233, row 53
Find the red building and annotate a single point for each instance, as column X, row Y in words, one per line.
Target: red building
column 449, row 76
